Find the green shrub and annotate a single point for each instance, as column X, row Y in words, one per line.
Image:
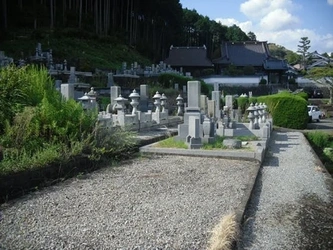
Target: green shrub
column 242, row 103
column 287, row 110
column 253, row 100
column 303, row 95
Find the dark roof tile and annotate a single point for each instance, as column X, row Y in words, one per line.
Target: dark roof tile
column 188, row 56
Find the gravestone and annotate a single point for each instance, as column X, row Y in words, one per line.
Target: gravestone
column 211, row 108
column 229, row 101
column 110, row 79
column 203, row 103
column 216, row 95
column 176, row 86
column 143, row 103
column 72, row 77
column 67, row 91
column 115, row 91
column 192, row 109
column 216, row 87
column 193, row 138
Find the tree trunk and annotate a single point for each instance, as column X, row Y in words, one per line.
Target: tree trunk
column 4, row 5
column 80, row 14
column 51, row 10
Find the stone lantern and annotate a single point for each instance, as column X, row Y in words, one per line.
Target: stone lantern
column 180, row 104
column 157, row 101
column 259, row 108
column 264, row 112
column 120, row 105
column 163, row 102
column 256, row 115
column 251, row 117
column 135, row 101
column 85, row 101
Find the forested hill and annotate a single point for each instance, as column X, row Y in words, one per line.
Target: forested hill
column 146, row 26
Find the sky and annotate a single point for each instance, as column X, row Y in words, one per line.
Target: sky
column 282, row 22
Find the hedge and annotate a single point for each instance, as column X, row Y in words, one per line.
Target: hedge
column 287, row 110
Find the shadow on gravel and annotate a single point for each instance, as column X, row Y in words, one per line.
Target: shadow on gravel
column 247, row 238
column 316, row 221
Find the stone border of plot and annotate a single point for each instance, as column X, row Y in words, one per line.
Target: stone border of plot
column 257, row 154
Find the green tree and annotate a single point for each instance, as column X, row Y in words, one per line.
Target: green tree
column 292, row 57
column 303, row 50
column 252, row 36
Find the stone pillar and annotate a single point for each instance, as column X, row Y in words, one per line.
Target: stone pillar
column 67, row 90
column 216, row 96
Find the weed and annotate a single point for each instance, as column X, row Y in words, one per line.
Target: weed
column 224, row 233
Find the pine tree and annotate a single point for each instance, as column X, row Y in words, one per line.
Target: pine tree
column 303, row 49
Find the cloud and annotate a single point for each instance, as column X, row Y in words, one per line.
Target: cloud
column 273, row 21
column 290, row 38
column 278, row 19
column 245, row 26
column 257, row 9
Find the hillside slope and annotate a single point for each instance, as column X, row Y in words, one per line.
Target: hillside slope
column 84, row 52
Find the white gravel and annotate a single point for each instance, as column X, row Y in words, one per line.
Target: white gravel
column 156, row 202
column 288, row 177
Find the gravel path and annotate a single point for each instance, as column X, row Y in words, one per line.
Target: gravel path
column 291, row 207
column 156, row 202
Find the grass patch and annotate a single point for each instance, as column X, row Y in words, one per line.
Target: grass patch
column 171, row 143
column 217, row 144
column 321, row 142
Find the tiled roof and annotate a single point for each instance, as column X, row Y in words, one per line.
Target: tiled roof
column 275, row 64
column 188, row 56
column 243, row 53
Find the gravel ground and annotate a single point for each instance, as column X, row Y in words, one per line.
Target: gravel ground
column 291, row 207
column 155, row 202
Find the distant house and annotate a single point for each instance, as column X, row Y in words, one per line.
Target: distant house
column 317, row 60
column 189, row 59
column 251, row 53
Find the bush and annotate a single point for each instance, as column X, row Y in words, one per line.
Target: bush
column 263, row 81
column 287, row 110
column 303, row 95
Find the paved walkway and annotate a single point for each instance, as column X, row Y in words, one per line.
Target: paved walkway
column 291, row 206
